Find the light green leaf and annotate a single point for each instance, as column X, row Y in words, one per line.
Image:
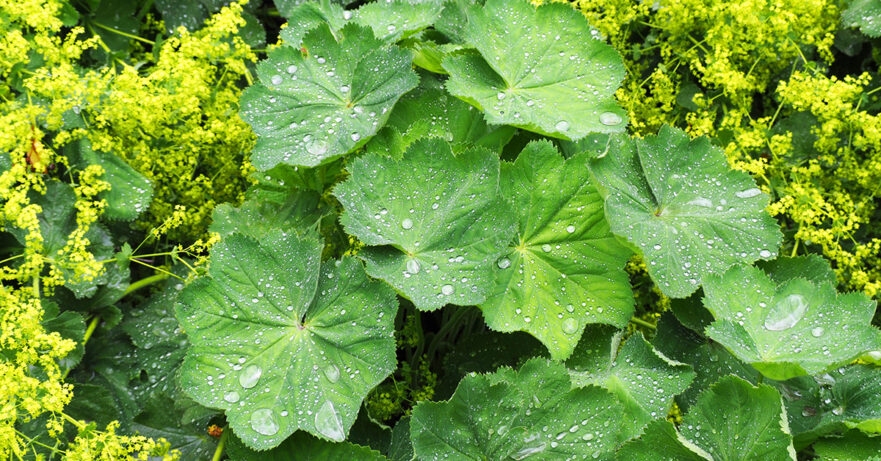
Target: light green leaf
column 69, row 325
column 541, row 69
column 308, row 16
column 847, row 398
column 864, row 14
column 434, row 222
column 814, row 268
column 661, row 442
column 796, row 328
column 309, row 109
column 304, row 447
column 532, row 412
column 680, row 204
column 259, row 215
column 392, row 20
column 564, row 269
column 130, row 192
column 430, row 111
column 280, row 347
column 736, row 420
column 642, row 378
column 852, row 446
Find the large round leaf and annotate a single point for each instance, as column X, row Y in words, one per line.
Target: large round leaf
column 564, row 269
column 541, row 69
column 688, row 213
column 282, row 344
column 310, row 108
column 435, row 222
column 794, row 329
column 530, row 413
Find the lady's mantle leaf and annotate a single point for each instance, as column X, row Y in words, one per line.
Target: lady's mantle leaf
column 282, row 345
column 541, row 69
column 565, row 269
column 641, row 377
column 130, row 192
column 311, row 108
column 731, row 420
column 511, row 414
column 796, row 328
column 678, row 201
column 865, row 14
column 304, row 447
column 435, row 222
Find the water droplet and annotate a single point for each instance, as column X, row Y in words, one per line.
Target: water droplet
column 292, row 69
column 504, row 263
column 570, row 326
column 526, row 452
column 391, row 28
column 356, row 137
column 249, row 376
column 657, row 247
column 447, row 289
column 748, row 193
column 276, row 79
column 500, row 96
column 817, row 332
column 786, row 313
column 562, row 125
column 530, row 103
column 263, row 422
column 570, row 229
column 546, row 248
column 588, row 436
column 407, row 223
column 328, row 424
column 332, row 373
column 765, row 254
column 347, row 15
column 702, row 202
column 231, row 397
column 316, row 147
column 412, row 266
column 610, row 118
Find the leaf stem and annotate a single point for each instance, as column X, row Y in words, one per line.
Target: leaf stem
column 124, row 34
column 218, row 452
column 643, row 323
column 145, row 282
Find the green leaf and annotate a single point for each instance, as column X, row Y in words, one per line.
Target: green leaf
column 736, row 420
column 852, row 446
column 286, row 345
column 847, row 398
column 642, row 378
column 261, row 214
column 130, row 192
column 864, row 14
column 436, row 236
column 787, row 330
column 680, row 204
column 392, row 20
column 309, row 109
column 550, row 74
column 564, row 269
column 431, row 112
column 304, row 447
column 532, row 412
column 400, row 447
column 661, row 442
column 310, row 15
column 814, row 268
column 69, row 325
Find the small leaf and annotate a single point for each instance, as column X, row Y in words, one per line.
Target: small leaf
column 282, row 345
column 736, row 420
column 392, row 20
column 847, row 398
column 796, row 328
column 852, row 446
column 814, row 268
column 130, row 192
column 865, row 15
column 516, row 414
column 565, row 269
column 259, row 215
column 642, row 378
column 435, row 236
column 310, row 109
column 304, row 447
column 680, row 204
column 541, row 69
column 662, row 442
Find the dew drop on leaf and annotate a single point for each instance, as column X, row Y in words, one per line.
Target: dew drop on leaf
column 328, row 424
column 263, row 422
column 407, row 223
column 562, row 125
column 610, row 118
column 748, row 193
column 249, row 376
column 504, row 263
column 447, row 289
column 231, row 397
column 276, row 79
column 817, row 332
column 765, row 254
column 786, row 313
column 546, row 248
column 292, row 69
column 413, row 266
column 332, row 373
column 570, row 326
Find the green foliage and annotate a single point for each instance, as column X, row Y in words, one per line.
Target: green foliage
column 439, row 230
